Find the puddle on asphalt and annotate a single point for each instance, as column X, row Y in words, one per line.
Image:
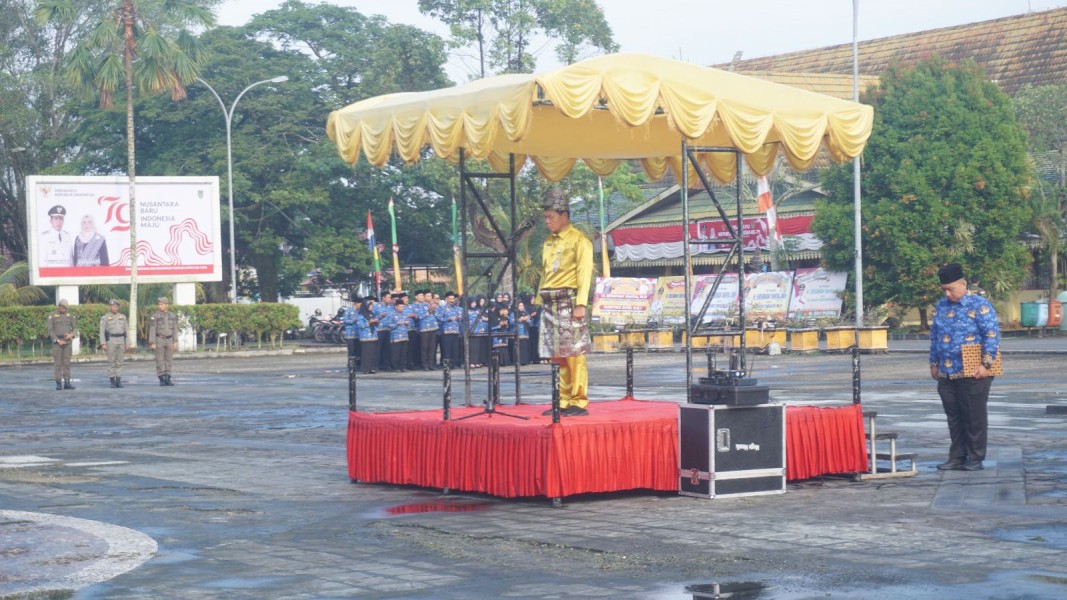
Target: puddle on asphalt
column 435, row 506
column 1049, row 461
column 1051, row 536
column 1003, row 584
column 744, row 590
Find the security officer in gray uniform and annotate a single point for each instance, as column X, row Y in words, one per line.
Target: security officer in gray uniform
column 162, row 337
column 113, row 332
column 62, row 328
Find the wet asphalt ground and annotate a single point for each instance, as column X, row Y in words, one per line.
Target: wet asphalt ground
column 233, row 484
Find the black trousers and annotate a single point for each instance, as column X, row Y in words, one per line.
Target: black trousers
column 525, row 351
column 965, row 401
column 353, row 348
column 479, row 350
column 385, row 354
column 399, row 353
column 450, row 348
column 428, row 348
column 414, row 347
column 369, row 356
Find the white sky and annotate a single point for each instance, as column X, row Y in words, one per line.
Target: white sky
column 711, row 31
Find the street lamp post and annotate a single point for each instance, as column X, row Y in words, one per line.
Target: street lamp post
column 229, row 169
column 856, row 199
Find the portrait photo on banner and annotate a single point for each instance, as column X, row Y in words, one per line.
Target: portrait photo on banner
column 83, row 229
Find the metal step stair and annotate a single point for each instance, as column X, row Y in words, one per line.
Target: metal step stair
column 888, row 460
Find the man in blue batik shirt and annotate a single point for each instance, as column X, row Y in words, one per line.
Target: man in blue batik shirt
column 962, row 318
column 449, row 316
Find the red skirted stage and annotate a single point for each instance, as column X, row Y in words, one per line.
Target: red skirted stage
column 620, row 445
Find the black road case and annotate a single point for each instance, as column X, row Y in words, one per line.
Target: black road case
column 731, row 450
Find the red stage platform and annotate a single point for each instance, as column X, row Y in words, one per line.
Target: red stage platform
column 620, row 445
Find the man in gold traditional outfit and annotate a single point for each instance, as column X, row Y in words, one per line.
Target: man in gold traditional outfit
column 567, row 273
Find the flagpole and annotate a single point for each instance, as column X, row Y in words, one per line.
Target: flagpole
column 397, row 285
column 372, row 246
column 455, row 250
column 605, row 263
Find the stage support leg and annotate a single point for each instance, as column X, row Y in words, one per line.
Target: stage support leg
column 856, row 375
column 352, row 389
column 352, row 383
column 555, row 392
column 494, row 380
column 557, row 502
column 629, row 373
column 448, row 391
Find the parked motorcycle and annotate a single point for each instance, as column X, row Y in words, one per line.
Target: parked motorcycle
column 327, row 331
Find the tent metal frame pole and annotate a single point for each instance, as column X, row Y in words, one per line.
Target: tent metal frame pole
column 467, row 186
column 465, row 325
column 687, row 252
column 737, row 248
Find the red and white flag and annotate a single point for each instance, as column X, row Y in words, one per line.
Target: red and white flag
column 763, row 189
column 766, row 205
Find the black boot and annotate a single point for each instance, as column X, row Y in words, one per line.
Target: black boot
column 118, row 382
column 59, row 384
column 67, row 385
column 162, row 380
column 166, row 378
column 112, row 381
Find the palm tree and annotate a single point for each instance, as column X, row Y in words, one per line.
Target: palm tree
column 145, row 44
column 15, row 288
column 1047, row 219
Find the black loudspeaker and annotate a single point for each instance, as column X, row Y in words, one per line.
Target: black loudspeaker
column 731, row 450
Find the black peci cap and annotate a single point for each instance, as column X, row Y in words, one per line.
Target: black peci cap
column 950, row 273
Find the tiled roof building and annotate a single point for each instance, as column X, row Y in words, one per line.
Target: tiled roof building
column 1014, row 51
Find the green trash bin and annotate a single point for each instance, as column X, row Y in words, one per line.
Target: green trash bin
column 1029, row 314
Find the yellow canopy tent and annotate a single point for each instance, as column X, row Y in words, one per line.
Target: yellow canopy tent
column 603, row 110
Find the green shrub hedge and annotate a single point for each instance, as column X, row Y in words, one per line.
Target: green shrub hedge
column 28, row 325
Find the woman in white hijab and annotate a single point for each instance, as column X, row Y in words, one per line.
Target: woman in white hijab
column 90, row 248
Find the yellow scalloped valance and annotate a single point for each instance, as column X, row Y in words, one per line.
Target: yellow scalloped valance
column 604, row 110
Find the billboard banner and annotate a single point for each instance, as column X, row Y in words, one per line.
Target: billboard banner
column 80, row 230
column 817, row 293
column 767, row 295
column 622, row 300
column 668, row 303
column 754, row 235
column 722, row 310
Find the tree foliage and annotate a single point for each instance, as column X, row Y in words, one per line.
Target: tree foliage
column 298, row 209
column 504, row 34
column 1043, row 112
column 141, row 46
column 38, row 109
column 944, row 179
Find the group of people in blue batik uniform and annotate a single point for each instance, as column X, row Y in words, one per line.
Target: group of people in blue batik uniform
column 397, row 334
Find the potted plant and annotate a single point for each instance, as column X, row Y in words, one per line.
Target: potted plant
column 762, row 332
column 871, row 337
column 632, row 336
column 803, row 335
column 659, row 337
column 605, row 337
